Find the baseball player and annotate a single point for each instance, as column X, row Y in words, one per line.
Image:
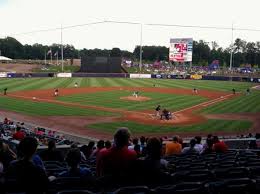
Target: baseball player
column 56, row 92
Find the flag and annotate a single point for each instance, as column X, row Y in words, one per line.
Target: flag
column 49, row 52
column 56, row 53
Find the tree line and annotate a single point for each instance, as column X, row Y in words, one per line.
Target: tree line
column 203, row 52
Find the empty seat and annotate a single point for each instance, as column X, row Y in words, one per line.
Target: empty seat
column 133, row 190
column 75, row 192
column 238, row 186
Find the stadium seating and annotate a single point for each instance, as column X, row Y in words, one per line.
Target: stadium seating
column 235, row 171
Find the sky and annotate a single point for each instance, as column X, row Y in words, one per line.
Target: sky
column 18, row 16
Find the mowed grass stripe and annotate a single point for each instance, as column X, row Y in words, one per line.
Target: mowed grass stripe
column 94, row 82
column 47, row 109
column 32, row 85
column 250, row 103
column 102, row 82
column 66, row 82
column 85, row 82
column 129, row 82
column 53, row 83
column 208, row 127
column 73, row 81
column 12, row 86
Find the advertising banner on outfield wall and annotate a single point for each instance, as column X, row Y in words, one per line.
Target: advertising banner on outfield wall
column 64, row 75
column 3, row 74
column 166, row 76
column 11, row 75
column 196, row 76
column 140, row 75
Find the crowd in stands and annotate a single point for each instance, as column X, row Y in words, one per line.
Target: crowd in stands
column 179, row 69
column 161, row 164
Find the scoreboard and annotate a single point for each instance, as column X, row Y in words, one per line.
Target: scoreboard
column 181, row 49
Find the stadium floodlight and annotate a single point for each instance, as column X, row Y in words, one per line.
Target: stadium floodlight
column 141, row 50
column 61, row 48
column 232, row 45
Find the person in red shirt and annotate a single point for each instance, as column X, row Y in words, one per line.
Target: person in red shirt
column 219, row 146
column 116, row 160
column 19, row 135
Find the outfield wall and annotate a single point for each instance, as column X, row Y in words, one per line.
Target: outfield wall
column 132, row 76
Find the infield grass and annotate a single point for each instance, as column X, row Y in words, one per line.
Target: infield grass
column 112, row 99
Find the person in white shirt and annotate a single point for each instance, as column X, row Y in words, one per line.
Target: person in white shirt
column 198, row 146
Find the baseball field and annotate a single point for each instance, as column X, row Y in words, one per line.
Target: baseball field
column 99, row 105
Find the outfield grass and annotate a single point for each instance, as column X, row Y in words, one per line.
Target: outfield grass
column 112, row 99
column 45, row 83
column 47, row 109
column 242, row 104
column 208, row 127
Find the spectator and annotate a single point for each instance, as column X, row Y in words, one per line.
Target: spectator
column 219, row 146
column 208, row 148
column 74, row 170
column 143, row 145
column 116, row 160
column 108, row 144
column 27, row 176
column 18, row 135
column 75, row 146
column 154, row 153
column 87, row 150
column 191, row 149
column 149, row 170
column 6, row 121
column 36, row 159
column 173, row 147
column 198, row 145
column 135, row 142
column 100, row 146
column 51, row 154
column 137, row 149
column 6, row 154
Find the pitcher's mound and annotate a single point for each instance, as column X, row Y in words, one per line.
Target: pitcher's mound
column 133, row 98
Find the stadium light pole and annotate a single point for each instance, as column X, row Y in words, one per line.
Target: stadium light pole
column 61, row 48
column 141, row 50
column 231, row 52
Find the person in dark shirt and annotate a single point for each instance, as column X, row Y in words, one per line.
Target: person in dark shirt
column 74, row 170
column 23, row 174
column 51, row 154
column 234, row 91
column 165, row 114
column 247, row 91
column 149, row 169
column 5, row 91
column 6, row 155
column 157, row 109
